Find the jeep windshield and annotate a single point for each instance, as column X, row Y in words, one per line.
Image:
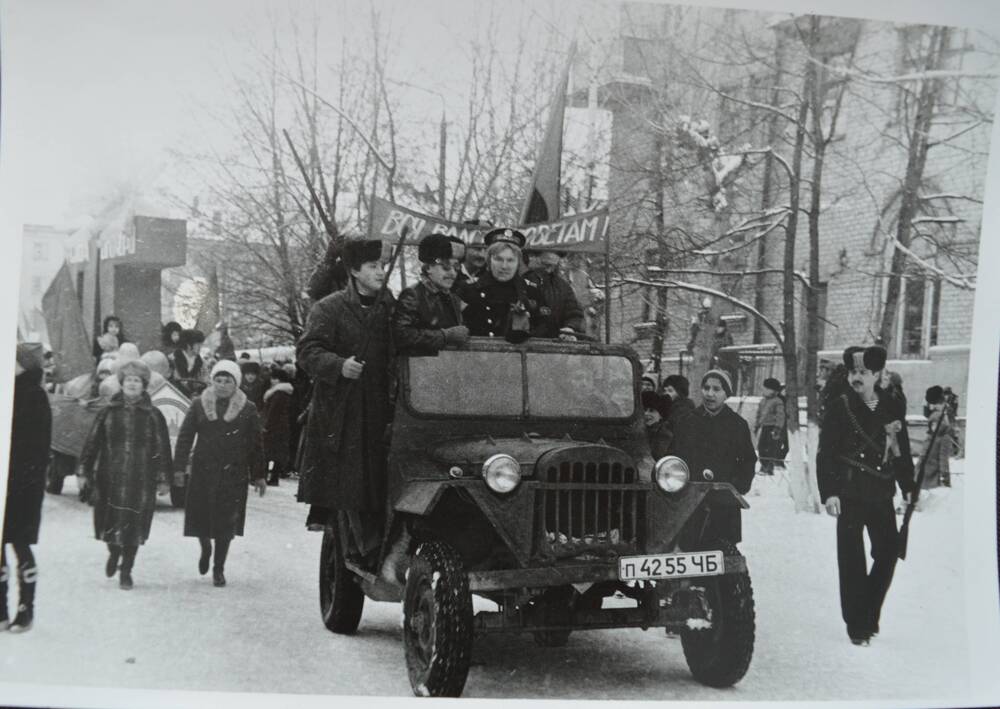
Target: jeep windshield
column 522, row 384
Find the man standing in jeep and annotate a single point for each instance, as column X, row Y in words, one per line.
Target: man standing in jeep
column 346, row 351
column 428, row 315
column 862, row 455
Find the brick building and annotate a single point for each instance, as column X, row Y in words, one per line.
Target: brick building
column 668, row 62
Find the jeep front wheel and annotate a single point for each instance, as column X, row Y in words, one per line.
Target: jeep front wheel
column 437, row 622
column 341, row 599
column 718, row 652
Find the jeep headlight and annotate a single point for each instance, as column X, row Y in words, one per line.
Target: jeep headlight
column 502, row 473
column 672, row 473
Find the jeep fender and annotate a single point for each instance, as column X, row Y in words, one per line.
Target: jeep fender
column 505, row 513
column 669, row 513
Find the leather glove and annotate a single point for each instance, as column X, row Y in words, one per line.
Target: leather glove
column 457, row 335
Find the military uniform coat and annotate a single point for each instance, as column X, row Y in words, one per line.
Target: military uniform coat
column 30, row 438
column 422, row 313
column 343, row 463
column 849, row 458
column 489, row 305
column 227, row 457
column 126, row 454
column 564, row 309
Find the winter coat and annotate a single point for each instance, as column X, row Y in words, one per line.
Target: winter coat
column 226, row 459
column 182, row 370
column 851, row 451
column 255, row 391
column 277, row 423
column 564, row 309
column 489, row 302
column 771, row 412
column 936, row 457
column 30, row 439
column 679, row 410
column 720, row 443
column 660, row 434
column 126, row 454
column 422, row 313
column 343, row 462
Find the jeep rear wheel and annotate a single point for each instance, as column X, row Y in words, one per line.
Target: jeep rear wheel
column 719, row 656
column 437, row 622
column 341, row 599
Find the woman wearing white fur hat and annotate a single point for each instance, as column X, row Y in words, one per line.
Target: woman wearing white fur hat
column 226, row 458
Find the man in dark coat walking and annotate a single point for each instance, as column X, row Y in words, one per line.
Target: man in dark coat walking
column 858, row 471
column 428, row 315
column 30, row 437
column 347, row 351
column 565, row 318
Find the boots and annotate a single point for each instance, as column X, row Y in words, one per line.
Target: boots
column 26, row 577
column 128, row 559
column 221, row 551
column 4, row 617
column 114, row 552
column 206, row 555
column 395, row 563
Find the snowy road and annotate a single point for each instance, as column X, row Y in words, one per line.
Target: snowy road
column 262, row 633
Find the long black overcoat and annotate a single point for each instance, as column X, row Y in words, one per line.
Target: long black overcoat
column 30, row 438
column 343, row 463
column 276, row 416
column 126, row 454
column 227, row 457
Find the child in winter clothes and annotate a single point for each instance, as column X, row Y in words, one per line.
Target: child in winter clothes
column 772, row 438
column 935, row 458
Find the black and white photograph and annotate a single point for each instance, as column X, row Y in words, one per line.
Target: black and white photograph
column 561, row 350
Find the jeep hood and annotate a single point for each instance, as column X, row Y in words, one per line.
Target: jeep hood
column 470, row 454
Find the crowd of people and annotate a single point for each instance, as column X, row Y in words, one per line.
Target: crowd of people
column 246, row 418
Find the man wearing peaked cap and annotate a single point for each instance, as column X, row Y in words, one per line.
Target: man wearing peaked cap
column 428, row 315
column 858, row 471
column 505, row 236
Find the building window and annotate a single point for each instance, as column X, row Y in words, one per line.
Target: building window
column 919, row 310
column 36, row 285
column 39, row 252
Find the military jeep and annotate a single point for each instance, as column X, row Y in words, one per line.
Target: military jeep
column 522, row 474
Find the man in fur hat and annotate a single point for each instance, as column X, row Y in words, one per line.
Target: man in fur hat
column 346, row 350
column 565, row 318
column 858, row 473
column 429, row 316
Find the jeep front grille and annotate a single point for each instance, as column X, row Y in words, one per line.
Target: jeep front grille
column 589, row 505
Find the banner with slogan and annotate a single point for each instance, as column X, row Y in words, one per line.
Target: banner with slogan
column 587, row 232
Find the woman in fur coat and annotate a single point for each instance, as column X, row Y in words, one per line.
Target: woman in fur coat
column 126, row 463
column 226, row 458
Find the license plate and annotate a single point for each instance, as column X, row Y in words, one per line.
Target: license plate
column 671, row 566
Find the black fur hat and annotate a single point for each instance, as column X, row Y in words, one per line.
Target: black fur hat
column 361, row 251
column 652, row 400
column 679, row 383
column 191, row 337
column 773, row 384
column 871, row 358
column 434, row 248
column 934, row 395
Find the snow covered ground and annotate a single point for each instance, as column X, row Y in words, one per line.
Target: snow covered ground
column 263, row 633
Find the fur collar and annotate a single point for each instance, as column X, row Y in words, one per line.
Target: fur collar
column 236, row 404
column 278, row 386
column 144, row 402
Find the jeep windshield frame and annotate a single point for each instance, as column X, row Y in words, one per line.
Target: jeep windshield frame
column 537, row 380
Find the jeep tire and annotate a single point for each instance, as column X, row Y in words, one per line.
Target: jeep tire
column 341, row 599
column 437, row 622
column 720, row 656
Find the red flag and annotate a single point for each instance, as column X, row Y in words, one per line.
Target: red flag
column 542, row 202
column 67, row 333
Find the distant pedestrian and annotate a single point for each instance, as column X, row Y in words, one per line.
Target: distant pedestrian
column 647, row 384
column 936, row 456
column 892, row 384
column 126, row 461
column 227, row 458
column 252, row 383
column 772, row 436
column 677, row 388
column 656, row 408
column 113, row 326
column 276, row 415
column 189, row 367
column 30, row 438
